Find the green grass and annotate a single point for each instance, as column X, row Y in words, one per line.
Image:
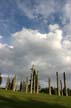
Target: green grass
column 9, row 99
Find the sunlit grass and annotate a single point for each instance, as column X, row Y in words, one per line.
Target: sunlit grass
column 10, row 99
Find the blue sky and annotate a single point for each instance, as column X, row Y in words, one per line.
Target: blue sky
column 35, row 32
column 16, row 14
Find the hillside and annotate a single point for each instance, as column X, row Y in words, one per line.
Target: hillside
column 9, row 99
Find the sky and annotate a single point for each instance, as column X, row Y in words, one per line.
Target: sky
column 35, row 32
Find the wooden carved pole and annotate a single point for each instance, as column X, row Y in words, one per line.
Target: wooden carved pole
column 31, row 84
column 65, row 89
column 61, row 88
column 37, row 84
column 26, row 84
column 34, row 83
column 49, row 84
column 14, row 83
column 33, row 78
column 8, row 84
column 58, row 85
column 0, row 79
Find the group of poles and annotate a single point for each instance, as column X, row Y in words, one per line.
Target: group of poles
column 34, row 87
column 60, row 90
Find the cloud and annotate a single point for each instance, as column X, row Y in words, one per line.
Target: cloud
column 34, row 9
column 49, row 53
column 67, row 9
column 47, row 11
column 66, row 17
column 6, row 46
column 53, row 27
column 1, row 45
column 39, row 14
column 1, row 37
column 67, row 44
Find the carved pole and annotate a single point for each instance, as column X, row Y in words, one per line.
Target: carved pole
column 65, row 89
column 37, row 84
column 49, row 84
column 58, row 85
column 0, row 79
column 33, row 78
column 26, row 84
column 31, row 84
column 8, row 83
column 61, row 88
column 14, row 83
column 34, row 83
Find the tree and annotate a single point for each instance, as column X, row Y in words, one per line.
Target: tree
column 0, row 79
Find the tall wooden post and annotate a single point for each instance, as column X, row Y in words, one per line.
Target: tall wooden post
column 58, row 85
column 8, row 84
column 31, row 84
column 0, row 79
column 14, row 83
column 65, row 89
column 33, row 78
column 34, row 83
column 26, row 84
column 49, row 85
column 61, row 88
column 37, row 84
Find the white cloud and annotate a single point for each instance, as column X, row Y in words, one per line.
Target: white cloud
column 1, row 37
column 53, row 27
column 44, row 10
column 11, row 46
column 67, row 9
column 5, row 45
column 66, row 17
column 67, row 44
column 47, row 51
column 34, row 9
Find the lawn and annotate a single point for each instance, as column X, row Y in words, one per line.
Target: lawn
column 10, row 99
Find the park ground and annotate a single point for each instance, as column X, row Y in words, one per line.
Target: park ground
column 10, row 99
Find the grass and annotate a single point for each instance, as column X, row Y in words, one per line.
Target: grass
column 10, row 99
